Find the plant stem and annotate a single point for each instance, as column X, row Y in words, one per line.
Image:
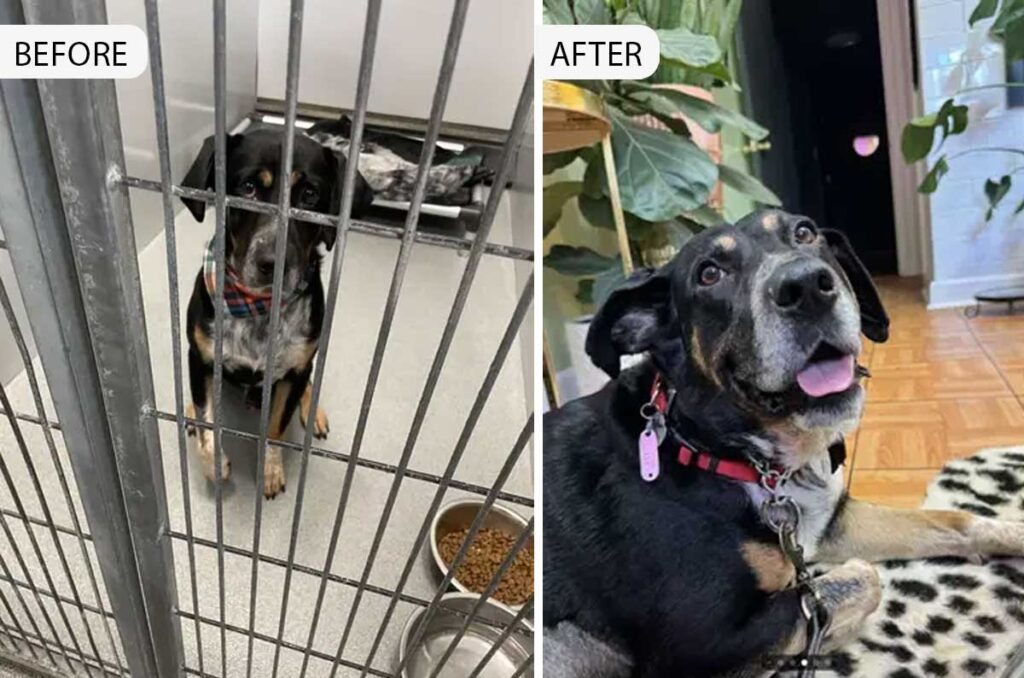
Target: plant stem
column 991, row 149
column 998, row 85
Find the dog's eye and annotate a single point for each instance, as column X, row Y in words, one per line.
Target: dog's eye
column 709, row 274
column 804, row 234
column 248, row 188
column 309, row 196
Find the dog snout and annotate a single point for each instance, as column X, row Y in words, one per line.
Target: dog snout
column 265, row 267
column 803, row 288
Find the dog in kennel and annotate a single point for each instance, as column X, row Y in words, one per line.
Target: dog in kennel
column 254, row 172
column 686, row 500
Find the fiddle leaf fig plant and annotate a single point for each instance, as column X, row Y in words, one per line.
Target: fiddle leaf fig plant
column 925, row 135
column 665, row 179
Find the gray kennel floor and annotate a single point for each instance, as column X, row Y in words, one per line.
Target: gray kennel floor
column 427, row 294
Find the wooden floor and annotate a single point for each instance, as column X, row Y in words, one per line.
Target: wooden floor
column 942, row 387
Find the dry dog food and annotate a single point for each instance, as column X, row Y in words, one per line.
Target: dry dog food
column 484, row 557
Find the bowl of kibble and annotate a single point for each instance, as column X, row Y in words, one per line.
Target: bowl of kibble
column 499, row 531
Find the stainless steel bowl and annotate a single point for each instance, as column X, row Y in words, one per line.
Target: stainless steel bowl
column 459, row 515
column 483, row 631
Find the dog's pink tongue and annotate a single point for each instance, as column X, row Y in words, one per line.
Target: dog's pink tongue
column 827, row 376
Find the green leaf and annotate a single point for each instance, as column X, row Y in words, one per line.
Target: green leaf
column 705, row 216
column 556, row 161
column 595, row 184
column 577, row 261
column 727, row 25
column 919, row 135
column 1020, row 207
column 707, row 114
column 592, row 12
column 558, row 12
column 748, row 185
column 995, row 191
column 685, row 47
column 660, row 174
column 677, row 125
column 606, row 282
column 631, row 18
column 931, row 180
column 916, row 142
column 984, row 10
column 598, row 213
column 555, row 197
column 650, row 12
column 585, row 290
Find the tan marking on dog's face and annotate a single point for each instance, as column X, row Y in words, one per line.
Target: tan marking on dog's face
column 770, row 221
column 772, row 569
column 700, row 359
column 266, row 178
column 725, row 242
column 294, row 177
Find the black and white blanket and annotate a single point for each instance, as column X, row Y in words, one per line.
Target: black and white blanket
column 390, row 162
column 947, row 617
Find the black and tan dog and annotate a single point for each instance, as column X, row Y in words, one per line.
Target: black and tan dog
column 253, row 171
column 756, row 328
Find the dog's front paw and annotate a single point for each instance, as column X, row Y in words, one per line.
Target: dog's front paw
column 273, row 474
column 190, row 413
column 207, row 459
column 851, row 592
column 997, row 537
column 321, row 427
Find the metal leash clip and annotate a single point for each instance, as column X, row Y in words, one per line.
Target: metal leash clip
column 782, row 514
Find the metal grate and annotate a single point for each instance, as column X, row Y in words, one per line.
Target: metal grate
column 100, row 355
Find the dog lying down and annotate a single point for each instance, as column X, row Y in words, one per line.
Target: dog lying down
column 662, row 551
column 253, row 171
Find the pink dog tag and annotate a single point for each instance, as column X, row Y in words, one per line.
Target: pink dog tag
column 649, row 463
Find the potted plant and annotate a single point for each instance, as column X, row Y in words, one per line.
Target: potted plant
column 667, row 151
column 925, row 135
column 666, row 180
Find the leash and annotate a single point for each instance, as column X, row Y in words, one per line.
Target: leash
column 778, row 511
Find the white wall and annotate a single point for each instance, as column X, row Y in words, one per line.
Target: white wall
column 186, row 28
column 968, row 254
column 496, row 48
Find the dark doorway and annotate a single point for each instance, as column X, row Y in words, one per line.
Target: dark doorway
column 812, row 73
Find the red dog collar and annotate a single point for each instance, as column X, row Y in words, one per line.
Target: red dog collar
column 689, row 455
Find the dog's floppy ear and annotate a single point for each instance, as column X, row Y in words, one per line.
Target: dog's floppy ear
column 361, row 201
column 874, row 321
column 200, row 175
column 638, row 316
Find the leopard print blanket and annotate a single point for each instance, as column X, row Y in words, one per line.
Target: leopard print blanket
column 947, row 617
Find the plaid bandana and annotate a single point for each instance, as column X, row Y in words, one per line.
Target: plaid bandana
column 239, row 300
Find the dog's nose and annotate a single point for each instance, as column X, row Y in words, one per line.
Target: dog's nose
column 804, row 287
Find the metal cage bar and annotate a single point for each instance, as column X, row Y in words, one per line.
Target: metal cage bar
column 166, row 181
column 408, row 238
column 40, row 236
column 26, row 359
column 348, row 182
column 44, row 505
column 524, row 304
column 87, row 164
column 521, row 442
column 501, row 177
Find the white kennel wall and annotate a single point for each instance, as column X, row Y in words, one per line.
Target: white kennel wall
column 186, row 28
column 496, row 50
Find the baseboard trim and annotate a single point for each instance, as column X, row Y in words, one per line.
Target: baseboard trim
column 961, row 291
